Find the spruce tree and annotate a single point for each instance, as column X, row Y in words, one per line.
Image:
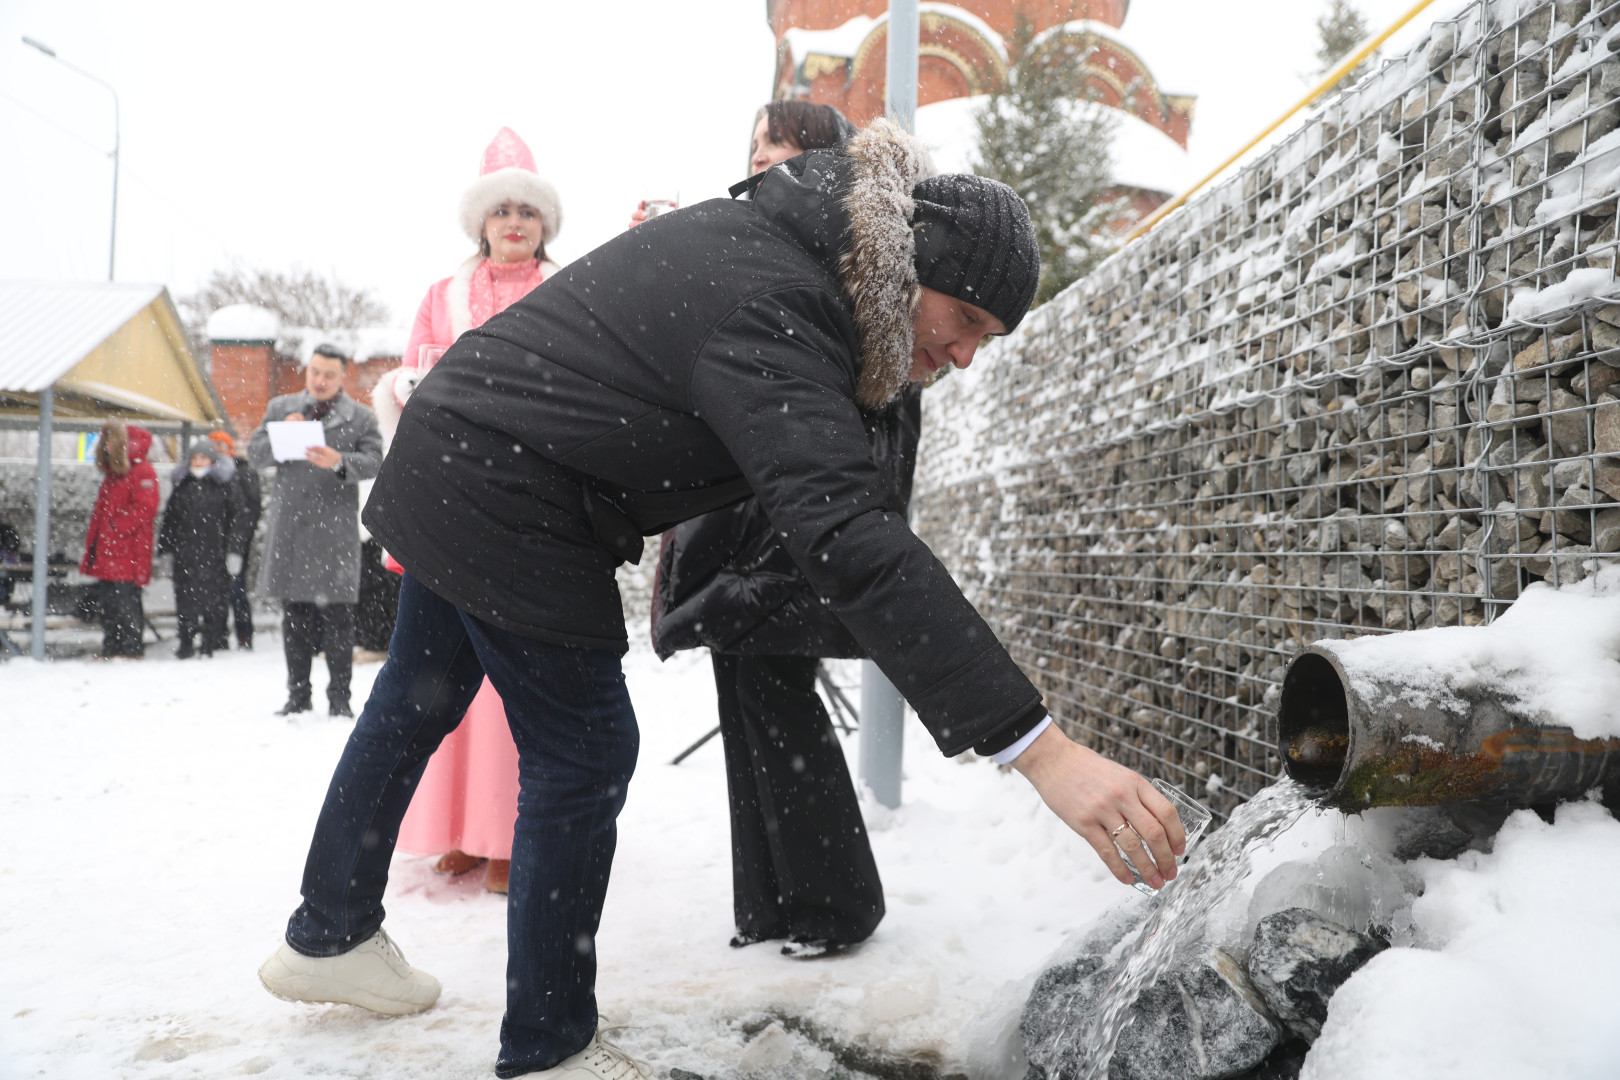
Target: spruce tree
column 1340, row 29
column 1044, row 136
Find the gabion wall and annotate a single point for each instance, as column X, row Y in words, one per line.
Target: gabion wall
column 1366, row 384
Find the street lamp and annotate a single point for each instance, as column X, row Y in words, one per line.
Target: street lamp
column 112, row 244
column 47, row 396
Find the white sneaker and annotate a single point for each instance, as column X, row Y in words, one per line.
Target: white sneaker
column 600, row 1060
column 373, row 975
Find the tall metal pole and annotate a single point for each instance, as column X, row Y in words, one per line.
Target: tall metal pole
column 901, row 76
column 112, row 245
column 42, row 523
column 883, row 714
column 112, row 242
column 883, row 710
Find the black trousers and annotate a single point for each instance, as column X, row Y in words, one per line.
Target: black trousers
column 242, row 608
column 201, row 606
column 123, row 619
column 801, row 863
column 379, row 600
column 310, row 628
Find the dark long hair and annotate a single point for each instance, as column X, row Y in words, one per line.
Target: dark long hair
column 805, row 125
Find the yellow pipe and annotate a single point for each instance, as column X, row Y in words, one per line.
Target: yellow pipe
column 1328, row 82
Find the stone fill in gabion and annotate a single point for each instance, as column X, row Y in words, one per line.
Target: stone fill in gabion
column 1369, row 383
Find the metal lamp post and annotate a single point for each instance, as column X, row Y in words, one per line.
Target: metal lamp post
column 42, row 493
column 883, row 710
column 112, row 244
column 900, row 77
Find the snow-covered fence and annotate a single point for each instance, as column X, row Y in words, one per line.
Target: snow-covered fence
column 1371, row 382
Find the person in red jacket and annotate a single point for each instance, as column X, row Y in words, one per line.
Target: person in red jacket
column 118, row 546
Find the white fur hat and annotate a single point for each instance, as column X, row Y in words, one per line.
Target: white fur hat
column 509, row 173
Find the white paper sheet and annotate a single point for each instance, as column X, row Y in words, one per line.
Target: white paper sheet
column 290, row 438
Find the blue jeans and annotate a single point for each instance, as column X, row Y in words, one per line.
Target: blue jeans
column 577, row 740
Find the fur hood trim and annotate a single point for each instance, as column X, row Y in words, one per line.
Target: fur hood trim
column 221, row 472
column 112, row 449
column 878, row 268
column 388, row 399
column 458, row 297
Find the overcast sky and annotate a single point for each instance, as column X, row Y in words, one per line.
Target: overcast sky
column 340, row 134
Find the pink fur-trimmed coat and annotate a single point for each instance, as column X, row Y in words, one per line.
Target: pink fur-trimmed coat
column 467, row 799
column 466, row 299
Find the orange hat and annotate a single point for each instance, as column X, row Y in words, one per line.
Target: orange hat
column 226, row 443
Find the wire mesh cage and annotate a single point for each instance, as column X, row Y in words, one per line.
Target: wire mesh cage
column 1369, row 383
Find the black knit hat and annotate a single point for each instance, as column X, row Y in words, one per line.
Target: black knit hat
column 975, row 242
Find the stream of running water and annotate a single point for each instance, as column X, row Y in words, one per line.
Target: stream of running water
column 1215, row 868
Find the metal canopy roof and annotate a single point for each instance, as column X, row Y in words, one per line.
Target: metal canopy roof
column 110, row 349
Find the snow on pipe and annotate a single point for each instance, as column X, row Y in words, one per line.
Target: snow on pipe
column 1362, row 740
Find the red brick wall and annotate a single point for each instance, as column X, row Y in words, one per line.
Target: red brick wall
column 242, row 376
column 248, row 376
column 363, row 376
column 956, row 63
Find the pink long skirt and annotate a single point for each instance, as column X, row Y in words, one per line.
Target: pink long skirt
column 467, row 799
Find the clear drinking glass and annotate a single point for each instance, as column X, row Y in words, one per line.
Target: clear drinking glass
column 1194, row 820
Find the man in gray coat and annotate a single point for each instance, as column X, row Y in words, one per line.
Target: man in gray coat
column 312, row 543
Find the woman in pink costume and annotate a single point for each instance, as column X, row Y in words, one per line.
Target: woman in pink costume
column 467, row 801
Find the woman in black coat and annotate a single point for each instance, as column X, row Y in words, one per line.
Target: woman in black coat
column 801, row 862
column 206, row 529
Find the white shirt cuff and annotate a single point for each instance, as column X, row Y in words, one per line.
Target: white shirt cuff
column 1005, row 757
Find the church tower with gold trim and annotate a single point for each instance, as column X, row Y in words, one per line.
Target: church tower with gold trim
column 834, row 52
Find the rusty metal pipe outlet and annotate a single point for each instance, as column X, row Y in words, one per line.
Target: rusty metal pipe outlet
column 1362, row 743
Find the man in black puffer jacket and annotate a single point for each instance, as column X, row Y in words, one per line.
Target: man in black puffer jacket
column 716, row 351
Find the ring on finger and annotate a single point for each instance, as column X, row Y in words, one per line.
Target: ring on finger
column 1121, row 827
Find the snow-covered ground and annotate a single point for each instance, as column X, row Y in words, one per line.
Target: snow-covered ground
column 156, row 816
column 1521, row 976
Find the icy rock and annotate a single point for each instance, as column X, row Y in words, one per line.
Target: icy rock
column 1349, row 884
column 1062, row 1000
column 1202, row 1021
column 767, row 1052
column 1414, row 832
column 1283, row 1063
column 1297, row 962
column 1059, row 1006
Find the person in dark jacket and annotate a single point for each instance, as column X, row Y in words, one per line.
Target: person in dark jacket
column 206, row 532
column 802, row 867
column 726, row 582
column 718, row 350
column 312, row 543
column 118, row 545
column 246, row 482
